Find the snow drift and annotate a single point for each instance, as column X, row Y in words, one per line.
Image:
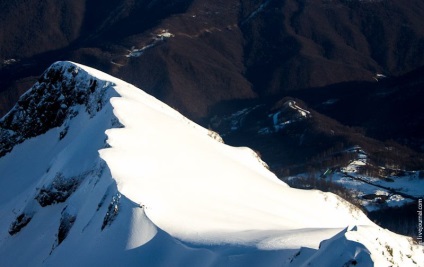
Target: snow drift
column 96, row 172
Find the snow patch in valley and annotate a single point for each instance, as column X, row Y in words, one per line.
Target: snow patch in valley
column 159, row 38
column 373, row 192
column 288, row 114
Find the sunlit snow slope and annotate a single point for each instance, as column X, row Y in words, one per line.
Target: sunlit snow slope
column 158, row 190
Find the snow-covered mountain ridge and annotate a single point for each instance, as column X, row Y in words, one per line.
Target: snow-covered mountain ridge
column 51, row 103
column 161, row 191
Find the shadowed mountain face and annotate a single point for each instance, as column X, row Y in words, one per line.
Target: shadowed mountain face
column 35, row 27
column 198, row 63
column 215, row 50
column 300, row 44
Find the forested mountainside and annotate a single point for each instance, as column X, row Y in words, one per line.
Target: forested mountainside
column 213, row 50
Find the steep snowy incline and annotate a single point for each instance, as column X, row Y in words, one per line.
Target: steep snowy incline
column 59, row 205
column 163, row 192
column 183, row 177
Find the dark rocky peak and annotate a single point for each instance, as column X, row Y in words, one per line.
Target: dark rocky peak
column 54, row 99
